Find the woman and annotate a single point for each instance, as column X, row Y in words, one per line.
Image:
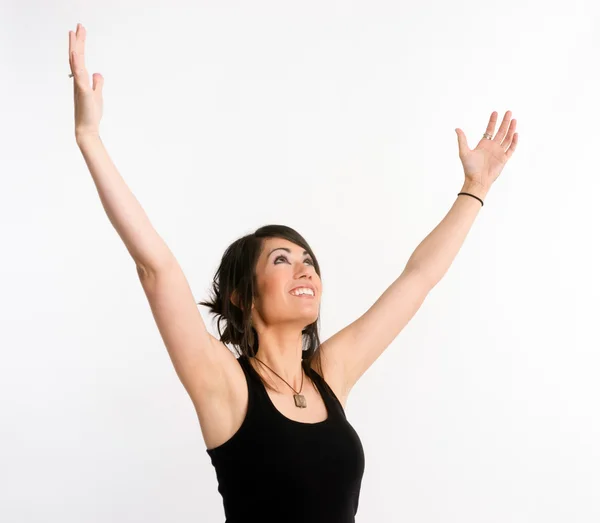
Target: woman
column 273, row 418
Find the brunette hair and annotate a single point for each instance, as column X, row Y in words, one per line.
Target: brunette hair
column 236, row 275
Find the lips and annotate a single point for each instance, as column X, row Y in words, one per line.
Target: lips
column 303, row 296
column 305, row 286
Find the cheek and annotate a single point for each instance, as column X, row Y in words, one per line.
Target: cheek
column 272, row 288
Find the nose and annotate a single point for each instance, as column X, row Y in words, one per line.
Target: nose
column 304, row 272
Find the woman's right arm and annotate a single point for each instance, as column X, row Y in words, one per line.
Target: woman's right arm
column 206, row 368
column 148, row 250
column 203, row 364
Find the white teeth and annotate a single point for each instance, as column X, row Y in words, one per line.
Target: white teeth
column 303, row 290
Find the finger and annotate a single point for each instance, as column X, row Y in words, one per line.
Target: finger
column 81, row 36
column 511, row 131
column 97, row 82
column 463, row 146
column 79, row 72
column 513, row 146
column 503, row 128
column 71, row 49
column 492, row 124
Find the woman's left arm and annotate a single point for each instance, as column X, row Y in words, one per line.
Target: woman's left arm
column 482, row 166
column 351, row 351
column 435, row 254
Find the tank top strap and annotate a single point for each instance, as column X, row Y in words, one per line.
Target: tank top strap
column 251, row 374
column 253, row 382
column 329, row 397
column 243, row 361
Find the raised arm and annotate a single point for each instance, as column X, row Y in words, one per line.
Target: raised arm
column 125, row 213
column 203, row 364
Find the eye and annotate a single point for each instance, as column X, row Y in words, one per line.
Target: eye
column 281, row 256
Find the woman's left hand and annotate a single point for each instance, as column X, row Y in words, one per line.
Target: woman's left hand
column 484, row 164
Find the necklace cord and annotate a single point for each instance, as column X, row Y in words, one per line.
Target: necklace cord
column 301, row 382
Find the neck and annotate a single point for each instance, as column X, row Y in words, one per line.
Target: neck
column 282, row 352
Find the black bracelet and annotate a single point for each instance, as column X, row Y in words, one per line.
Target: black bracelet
column 468, row 194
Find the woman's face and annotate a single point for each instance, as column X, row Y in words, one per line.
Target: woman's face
column 282, row 267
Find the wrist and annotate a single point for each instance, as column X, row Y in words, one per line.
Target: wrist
column 87, row 137
column 475, row 188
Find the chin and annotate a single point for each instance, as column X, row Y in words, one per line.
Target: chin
column 311, row 318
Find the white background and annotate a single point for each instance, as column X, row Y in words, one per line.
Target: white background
column 337, row 119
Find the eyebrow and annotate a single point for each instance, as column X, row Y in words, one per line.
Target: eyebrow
column 288, row 250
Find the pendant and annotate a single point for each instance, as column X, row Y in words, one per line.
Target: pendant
column 300, row 401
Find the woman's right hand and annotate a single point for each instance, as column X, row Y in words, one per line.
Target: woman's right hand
column 88, row 100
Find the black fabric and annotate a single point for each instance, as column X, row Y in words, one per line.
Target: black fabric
column 274, row 469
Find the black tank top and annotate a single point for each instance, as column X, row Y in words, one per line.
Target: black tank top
column 274, row 469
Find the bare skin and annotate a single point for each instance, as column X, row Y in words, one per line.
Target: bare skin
column 207, row 369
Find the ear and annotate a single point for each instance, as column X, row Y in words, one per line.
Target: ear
column 234, row 298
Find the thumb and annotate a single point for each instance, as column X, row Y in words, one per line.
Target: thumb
column 463, row 146
column 97, row 82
